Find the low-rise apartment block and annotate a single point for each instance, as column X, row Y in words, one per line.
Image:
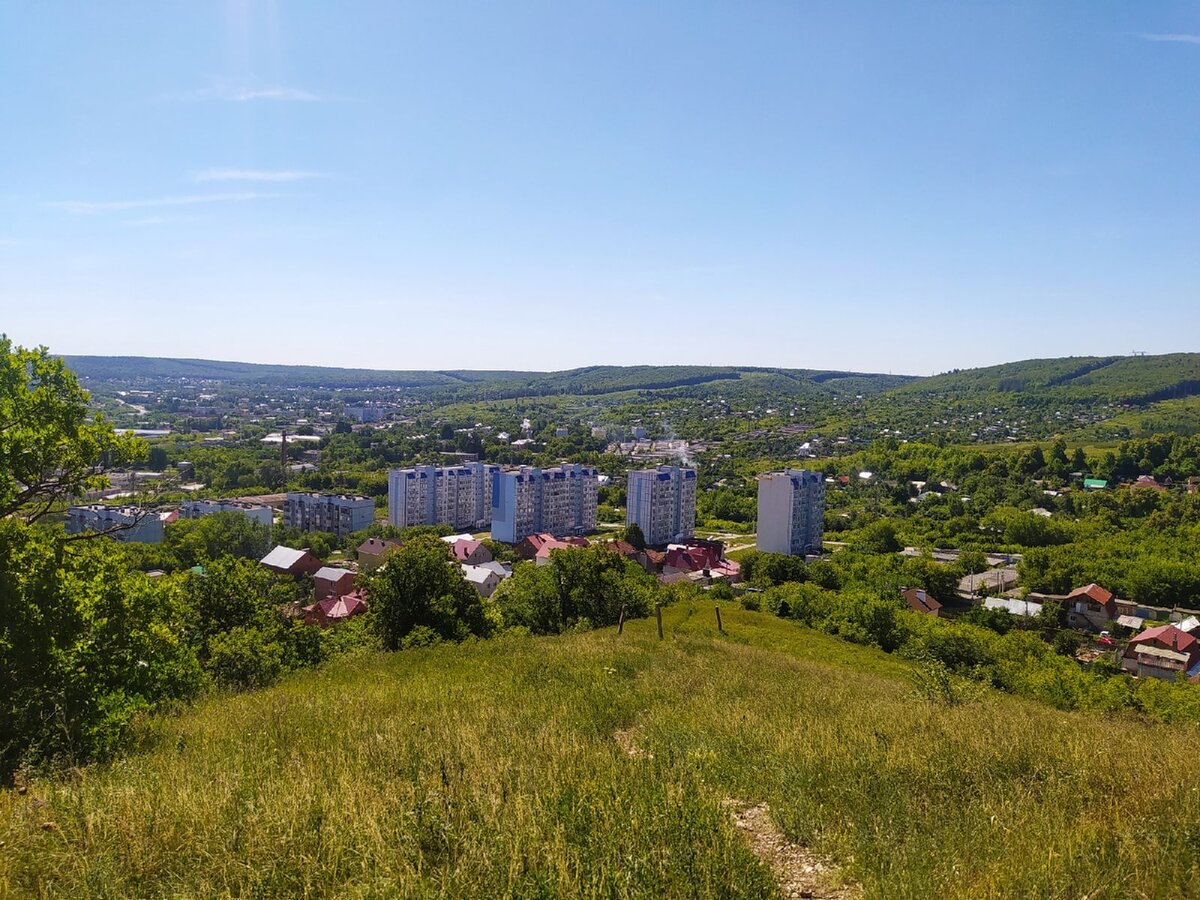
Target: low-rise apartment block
column 125, row 523
column 662, row 503
column 458, row 496
column 336, row 513
column 560, row 501
column 198, row 509
column 791, row 512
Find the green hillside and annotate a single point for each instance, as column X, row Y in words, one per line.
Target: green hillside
column 602, row 765
column 1115, row 379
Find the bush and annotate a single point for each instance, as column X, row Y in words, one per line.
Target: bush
column 244, row 658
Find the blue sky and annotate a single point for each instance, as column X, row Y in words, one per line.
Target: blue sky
column 871, row 186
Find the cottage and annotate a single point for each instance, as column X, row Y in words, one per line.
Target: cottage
column 333, row 610
column 920, row 601
column 485, row 579
column 470, row 552
column 531, row 546
column 330, row 581
column 372, row 551
column 1163, row 652
column 287, row 561
column 1091, row 606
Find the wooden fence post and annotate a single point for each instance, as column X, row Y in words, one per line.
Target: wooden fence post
column 658, row 616
column 621, row 620
column 719, row 628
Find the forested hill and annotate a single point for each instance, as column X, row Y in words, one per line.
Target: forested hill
column 592, row 380
column 1109, row 379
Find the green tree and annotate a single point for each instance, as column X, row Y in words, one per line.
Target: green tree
column 633, row 534
column 51, row 449
column 421, row 586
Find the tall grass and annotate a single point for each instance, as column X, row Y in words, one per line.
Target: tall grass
column 490, row 769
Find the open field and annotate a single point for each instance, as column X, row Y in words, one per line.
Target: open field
column 493, row 769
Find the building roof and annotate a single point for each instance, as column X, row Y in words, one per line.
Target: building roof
column 498, row 567
column 1168, row 636
column 373, row 546
column 452, row 538
column 478, row 574
column 1093, row 592
column 920, row 601
column 1190, row 624
column 331, row 573
column 336, row 608
column 283, row 558
column 462, row 549
column 1133, row 622
column 1013, row 607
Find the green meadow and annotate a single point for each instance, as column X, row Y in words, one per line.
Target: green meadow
column 490, row 769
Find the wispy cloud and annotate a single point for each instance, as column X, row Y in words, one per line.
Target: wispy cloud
column 89, row 207
column 243, row 93
column 1172, row 38
column 155, row 220
column 255, row 175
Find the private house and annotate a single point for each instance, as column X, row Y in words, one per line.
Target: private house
column 334, row 610
column 1147, row 481
column 287, row 561
column 529, row 547
column 543, row 554
column 470, row 552
column 1091, row 606
column 485, row 579
column 372, row 551
column 1163, row 652
column 330, row 581
column 920, row 601
column 704, row 557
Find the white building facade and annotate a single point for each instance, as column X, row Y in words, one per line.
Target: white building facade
column 336, row 513
column 529, row 500
column 458, row 496
column 662, row 503
column 791, row 512
column 198, row 509
column 126, row 523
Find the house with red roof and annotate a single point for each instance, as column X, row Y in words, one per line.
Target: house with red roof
column 921, row 601
column 333, row 610
column 1091, row 606
column 705, row 558
column 530, row 547
column 470, row 552
column 1163, row 652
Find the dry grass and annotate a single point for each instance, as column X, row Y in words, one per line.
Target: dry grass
column 490, row 769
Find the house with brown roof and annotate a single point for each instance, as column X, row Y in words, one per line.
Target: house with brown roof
column 1091, row 606
column 1163, row 652
column 330, row 581
column 921, row 601
column 334, row 610
column 372, row 551
column 287, row 561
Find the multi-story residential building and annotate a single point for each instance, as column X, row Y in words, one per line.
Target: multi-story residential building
column 198, row 509
column 662, row 502
column 458, row 496
column 560, row 501
column 126, row 523
column 337, row 513
column 791, row 512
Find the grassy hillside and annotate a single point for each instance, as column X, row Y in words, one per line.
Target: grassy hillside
column 491, row 769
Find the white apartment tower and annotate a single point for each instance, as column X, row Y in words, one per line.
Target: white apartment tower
column 458, row 496
column 662, row 502
column 791, row 512
column 529, row 500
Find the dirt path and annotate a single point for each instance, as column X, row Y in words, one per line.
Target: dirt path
column 799, row 872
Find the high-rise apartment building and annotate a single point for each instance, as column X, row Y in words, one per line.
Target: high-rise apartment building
column 662, row 502
column 791, row 512
column 337, row 513
column 529, row 500
column 458, row 496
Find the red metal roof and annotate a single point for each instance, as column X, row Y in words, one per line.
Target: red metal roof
column 1093, row 592
column 920, row 601
column 1170, row 637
